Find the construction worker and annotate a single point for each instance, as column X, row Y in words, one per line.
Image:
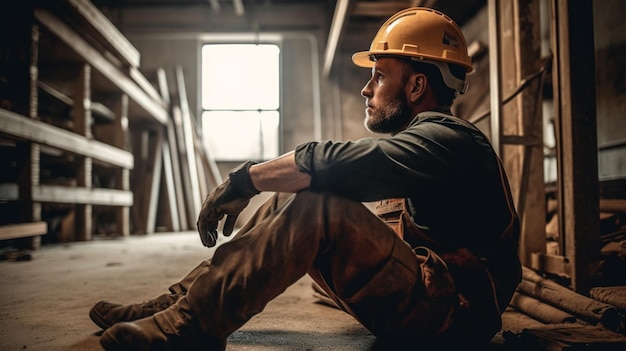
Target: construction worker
column 436, row 262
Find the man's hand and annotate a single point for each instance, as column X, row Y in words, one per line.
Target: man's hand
column 229, row 198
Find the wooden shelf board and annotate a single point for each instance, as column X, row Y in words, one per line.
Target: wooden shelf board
column 29, row 129
column 22, row 230
column 154, row 108
column 77, row 195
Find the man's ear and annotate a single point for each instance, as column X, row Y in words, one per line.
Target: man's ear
column 416, row 86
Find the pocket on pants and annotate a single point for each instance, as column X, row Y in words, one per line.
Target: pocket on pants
column 406, row 300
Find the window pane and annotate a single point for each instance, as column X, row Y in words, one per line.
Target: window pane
column 241, row 135
column 240, row 76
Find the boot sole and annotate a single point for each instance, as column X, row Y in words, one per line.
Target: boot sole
column 109, row 342
column 98, row 319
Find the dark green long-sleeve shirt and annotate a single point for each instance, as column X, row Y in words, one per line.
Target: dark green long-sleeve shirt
column 444, row 165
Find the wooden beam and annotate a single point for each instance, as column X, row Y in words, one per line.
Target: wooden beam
column 76, row 195
column 169, row 187
column 101, row 28
column 103, row 65
column 195, row 199
column 43, row 133
column 22, row 230
column 519, row 129
column 576, row 134
column 334, row 36
column 177, row 171
column 143, row 82
column 97, row 109
column 154, row 179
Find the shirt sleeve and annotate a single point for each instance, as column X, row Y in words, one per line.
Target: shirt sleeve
column 404, row 165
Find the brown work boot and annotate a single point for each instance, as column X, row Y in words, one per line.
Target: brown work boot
column 105, row 313
column 173, row 329
column 146, row 335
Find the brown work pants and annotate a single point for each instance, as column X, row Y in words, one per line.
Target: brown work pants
column 369, row 271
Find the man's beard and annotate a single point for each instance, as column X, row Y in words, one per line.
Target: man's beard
column 391, row 118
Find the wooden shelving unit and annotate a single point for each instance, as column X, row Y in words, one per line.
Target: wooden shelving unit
column 70, row 87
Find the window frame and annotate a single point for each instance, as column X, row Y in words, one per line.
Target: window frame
column 279, row 110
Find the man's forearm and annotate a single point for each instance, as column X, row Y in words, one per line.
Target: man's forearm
column 280, row 174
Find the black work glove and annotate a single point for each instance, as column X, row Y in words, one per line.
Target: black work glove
column 229, row 198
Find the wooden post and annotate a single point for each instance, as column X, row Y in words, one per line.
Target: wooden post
column 29, row 176
column 576, row 138
column 82, row 125
column 521, row 121
column 119, row 131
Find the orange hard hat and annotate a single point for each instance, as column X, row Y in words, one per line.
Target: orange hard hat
column 421, row 34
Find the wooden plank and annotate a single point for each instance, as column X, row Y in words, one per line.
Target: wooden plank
column 163, row 88
column 195, row 200
column 203, row 179
column 23, row 230
column 174, row 204
column 39, row 132
column 176, row 195
column 177, row 171
column 92, row 21
column 99, row 110
column 579, row 305
column 186, row 176
column 75, row 195
column 576, row 136
column 156, row 155
column 143, row 82
column 520, row 124
column 540, row 310
column 154, row 108
column 169, row 187
column 147, row 143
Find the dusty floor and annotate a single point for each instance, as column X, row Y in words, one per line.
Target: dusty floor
column 44, row 302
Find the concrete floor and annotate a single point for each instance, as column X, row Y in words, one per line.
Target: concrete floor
column 44, row 302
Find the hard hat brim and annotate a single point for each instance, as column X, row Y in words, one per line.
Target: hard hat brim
column 362, row 59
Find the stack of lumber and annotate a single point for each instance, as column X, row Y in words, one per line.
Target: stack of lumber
column 569, row 320
column 174, row 171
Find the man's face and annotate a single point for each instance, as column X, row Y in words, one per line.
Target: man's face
column 386, row 102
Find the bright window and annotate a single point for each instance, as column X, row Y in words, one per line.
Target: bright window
column 240, row 101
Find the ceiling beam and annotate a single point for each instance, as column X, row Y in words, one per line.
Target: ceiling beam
column 425, row 3
column 377, row 9
column 335, row 33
